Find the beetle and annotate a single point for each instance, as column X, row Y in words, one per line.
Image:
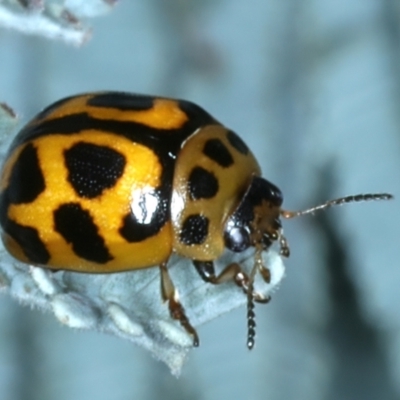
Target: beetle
column 110, row 181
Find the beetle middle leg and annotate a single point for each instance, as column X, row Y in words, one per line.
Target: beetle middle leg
column 232, row 272
column 176, row 310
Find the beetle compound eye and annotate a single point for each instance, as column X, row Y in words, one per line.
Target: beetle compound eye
column 237, row 239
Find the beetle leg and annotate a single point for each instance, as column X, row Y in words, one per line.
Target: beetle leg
column 285, row 250
column 265, row 273
column 230, row 272
column 176, row 310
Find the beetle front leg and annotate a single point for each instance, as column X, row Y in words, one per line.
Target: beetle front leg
column 232, row 272
column 176, row 310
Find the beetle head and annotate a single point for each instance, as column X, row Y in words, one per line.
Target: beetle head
column 256, row 220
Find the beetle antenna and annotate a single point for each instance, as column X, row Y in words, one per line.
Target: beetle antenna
column 337, row 202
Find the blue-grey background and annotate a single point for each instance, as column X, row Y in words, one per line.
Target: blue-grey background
column 313, row 87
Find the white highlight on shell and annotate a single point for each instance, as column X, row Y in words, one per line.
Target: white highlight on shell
column 144, row 205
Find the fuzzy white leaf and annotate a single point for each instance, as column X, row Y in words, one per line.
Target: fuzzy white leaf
column 53, row 19
column 128, row 304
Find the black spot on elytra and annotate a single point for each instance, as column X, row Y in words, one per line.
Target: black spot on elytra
column 237, row 143
column 26, row 180
column 194, row 229
column 76, row 226
column 92, row 168
column 122, row 101
column 217, row 151
column 29, row 241
column 202, row 184
column 134, row 231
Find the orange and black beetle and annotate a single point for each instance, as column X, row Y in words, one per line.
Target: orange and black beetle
column 107, row 182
